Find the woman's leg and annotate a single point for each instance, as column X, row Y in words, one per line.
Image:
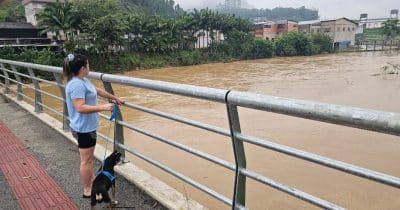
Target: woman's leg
column 86, row 169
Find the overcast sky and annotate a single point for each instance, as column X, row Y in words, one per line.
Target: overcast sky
column 326, row 8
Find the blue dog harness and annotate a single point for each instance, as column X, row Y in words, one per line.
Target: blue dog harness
column 107, row 174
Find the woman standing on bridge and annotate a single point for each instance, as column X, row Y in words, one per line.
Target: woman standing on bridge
column 81, row 97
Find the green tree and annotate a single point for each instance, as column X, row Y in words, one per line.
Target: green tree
column 103, row 22
column 57, row 17
column 293, row 43
column 321, row 43
column 391, row 28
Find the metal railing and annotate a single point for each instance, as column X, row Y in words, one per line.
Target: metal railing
column 379, row 121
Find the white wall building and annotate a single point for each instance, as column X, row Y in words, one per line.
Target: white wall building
column 33, row 7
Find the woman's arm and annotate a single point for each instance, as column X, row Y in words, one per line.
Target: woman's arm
column 83, row 108
column 107, row 95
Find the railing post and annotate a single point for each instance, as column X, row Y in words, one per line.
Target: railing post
column 58, row 78
column 118, row 129
column 239, row 196
column 19, row 86
column 38, row 95
column 6, row 80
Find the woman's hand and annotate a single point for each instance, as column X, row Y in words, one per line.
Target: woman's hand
column 119, row 101
column 107, row 107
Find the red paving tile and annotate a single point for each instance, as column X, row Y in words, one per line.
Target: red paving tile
column 30, row 183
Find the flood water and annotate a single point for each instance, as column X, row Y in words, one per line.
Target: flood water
column 351, row 79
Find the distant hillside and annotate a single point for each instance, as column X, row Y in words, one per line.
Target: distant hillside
column 166, row 8
column 278, row 13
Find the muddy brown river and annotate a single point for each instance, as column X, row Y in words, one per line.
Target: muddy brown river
column 352, row 79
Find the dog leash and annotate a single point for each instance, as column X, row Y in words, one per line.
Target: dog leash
column 112, row 118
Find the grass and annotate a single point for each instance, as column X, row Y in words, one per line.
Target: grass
column 376, row 34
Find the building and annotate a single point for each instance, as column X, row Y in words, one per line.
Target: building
column 269, row 30
column 366, row 23
column 342, row 30
column 21, row 34
column 18, row 30
column 306, row 26
column 33, row 7
column 205, row 38
column 233, row 4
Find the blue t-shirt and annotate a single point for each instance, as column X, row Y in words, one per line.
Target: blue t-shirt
column 77, row 89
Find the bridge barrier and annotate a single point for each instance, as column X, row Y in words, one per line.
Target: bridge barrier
column 367, row 119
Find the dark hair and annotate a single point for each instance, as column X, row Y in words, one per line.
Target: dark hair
column 72, row 64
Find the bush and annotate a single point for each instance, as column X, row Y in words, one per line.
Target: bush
column 187, row 58
column 44, row 57
column 260, row 49
column 321, row 43
column 128, row 61
column 293, row 43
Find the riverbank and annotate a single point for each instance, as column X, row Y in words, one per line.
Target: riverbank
column 237, row 46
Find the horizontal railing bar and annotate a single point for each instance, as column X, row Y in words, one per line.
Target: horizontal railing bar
column 28, row 76
column 51, row 109
column 33, row 88
column 212, row 94
column 198, row 153
column 33, row 66
column 172, row 172
column 178, row 175
column 290, row 190
column 51, row 95
column 180, row 119
column 384, row 122
column 331, row 163
column 16, row 92
column 25, row 96
column 104, row 116
column 105, row 137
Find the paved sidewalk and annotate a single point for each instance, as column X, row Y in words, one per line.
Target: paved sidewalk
column 30, row 183
column 60, row 160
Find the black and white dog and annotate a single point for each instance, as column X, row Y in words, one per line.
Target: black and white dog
column 105, row 180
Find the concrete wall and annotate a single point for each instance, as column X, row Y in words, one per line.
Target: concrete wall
column 31, row 9
column 271, row 30
column 344, row 31
column 339, row 30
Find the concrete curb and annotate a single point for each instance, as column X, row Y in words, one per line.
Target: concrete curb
column 160, row 191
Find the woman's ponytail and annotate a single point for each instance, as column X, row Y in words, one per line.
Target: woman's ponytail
column 67, row 70
column 72, row 65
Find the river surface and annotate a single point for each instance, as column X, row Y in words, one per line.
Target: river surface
column 351, row 79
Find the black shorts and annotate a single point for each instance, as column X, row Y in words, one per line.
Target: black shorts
column 85, row 140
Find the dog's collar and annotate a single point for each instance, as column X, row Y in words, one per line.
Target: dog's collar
column 107, row 174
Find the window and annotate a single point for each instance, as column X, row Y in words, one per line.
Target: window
column 312, row 30
column 318, row 30
column 338, row 29
column 267, row 26
column 353, row 28
column 344, row 29
column 348, row 29
column 280, row 26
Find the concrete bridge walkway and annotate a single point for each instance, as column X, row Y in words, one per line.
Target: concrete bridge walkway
column 58, row 158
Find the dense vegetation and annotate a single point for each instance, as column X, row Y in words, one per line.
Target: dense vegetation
column 119, row 39
column 12, row 11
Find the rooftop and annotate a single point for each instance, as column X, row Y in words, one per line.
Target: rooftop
column 16, row 25
column 24, row 2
